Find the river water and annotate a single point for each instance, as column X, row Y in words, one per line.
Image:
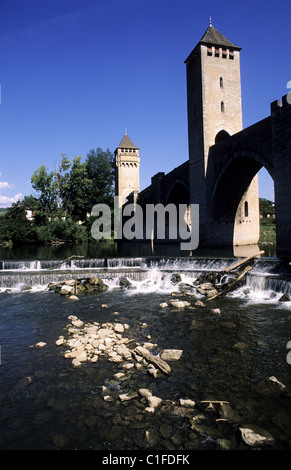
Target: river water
column 46, row 403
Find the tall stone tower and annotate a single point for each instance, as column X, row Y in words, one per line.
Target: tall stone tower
column 127, row 162
column 214, row 113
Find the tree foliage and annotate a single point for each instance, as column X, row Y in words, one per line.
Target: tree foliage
column 266, row 207
column 44, row 183
column 63, row 198
column 100, row 172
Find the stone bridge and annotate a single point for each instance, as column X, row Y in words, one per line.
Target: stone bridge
column 232, row 165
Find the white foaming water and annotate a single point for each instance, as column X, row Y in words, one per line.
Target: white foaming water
column 265, row 283
column 155, row 281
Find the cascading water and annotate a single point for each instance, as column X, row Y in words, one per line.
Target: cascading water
column 268, row 277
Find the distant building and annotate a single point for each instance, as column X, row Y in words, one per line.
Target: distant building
column 127, row 162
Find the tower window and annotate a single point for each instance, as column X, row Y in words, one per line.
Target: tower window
column 231, row 54
column 222, row 107
column 246, row 209
column 221, row 82
column 224, row 53
column 216, row 52
column 209, row 50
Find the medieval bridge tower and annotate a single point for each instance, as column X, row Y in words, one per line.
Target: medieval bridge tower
column 214, row 114
column 127, row 162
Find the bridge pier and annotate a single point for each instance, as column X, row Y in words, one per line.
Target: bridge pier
column 281, row 149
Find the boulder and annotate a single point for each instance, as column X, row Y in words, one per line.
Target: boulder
column 163, row 305
column 70, row 282
column 171, row 354
column 216, row 311
column 95, row 283
column 128, row 396
column 176, row 278
column 119, row 328
column 77, row 323
column 152, row 401
column 66, row 290
column 187, row 403
column 180, row 303
column 206, row 286
column 255, row 436
column 284, row 298
column 270, row 386
column 60, row 341
column 124, row 282
column 73, row 297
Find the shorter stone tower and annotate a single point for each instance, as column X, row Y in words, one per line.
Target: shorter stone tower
column 127, row 162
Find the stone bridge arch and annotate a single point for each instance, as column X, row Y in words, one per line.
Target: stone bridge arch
column 233, row 179
column 232, row 206
column 231, row 186
column 178, row 193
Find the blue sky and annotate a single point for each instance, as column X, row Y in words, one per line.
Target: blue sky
column 75, row 73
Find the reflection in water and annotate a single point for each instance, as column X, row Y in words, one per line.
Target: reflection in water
column 109, row 249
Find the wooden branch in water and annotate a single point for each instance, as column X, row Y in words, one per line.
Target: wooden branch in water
column 215, row 401
column 68, row 259
column 231, row 284
column 162, row 365
column 242, row 261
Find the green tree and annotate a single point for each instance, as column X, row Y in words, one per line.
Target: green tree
column 45, row 185
column 30, row 202
column 101, row 175
column 74, row 189
column 266, row 207
column 18, row 228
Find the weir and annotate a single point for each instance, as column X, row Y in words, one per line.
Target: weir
column 147, row 273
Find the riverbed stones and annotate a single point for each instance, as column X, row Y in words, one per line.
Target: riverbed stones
column 128, row 396
column 73, row 297
column 163, row 305
column 66, row 290
column 119, row 328
column 255, row 436
column 180, row 303
column 152, row 401
column 188, row 403
column 87, row 342
column 71, row 287
column 240, row 345
column 171, row 354
column 270, row 386
column 215, row 311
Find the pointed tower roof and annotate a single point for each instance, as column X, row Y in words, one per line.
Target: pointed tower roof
column 215, row 38
column 212, row 37
column 126, row 143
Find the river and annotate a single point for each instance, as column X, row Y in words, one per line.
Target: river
column 47, row 403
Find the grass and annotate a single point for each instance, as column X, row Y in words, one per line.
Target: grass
column 268, row 230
